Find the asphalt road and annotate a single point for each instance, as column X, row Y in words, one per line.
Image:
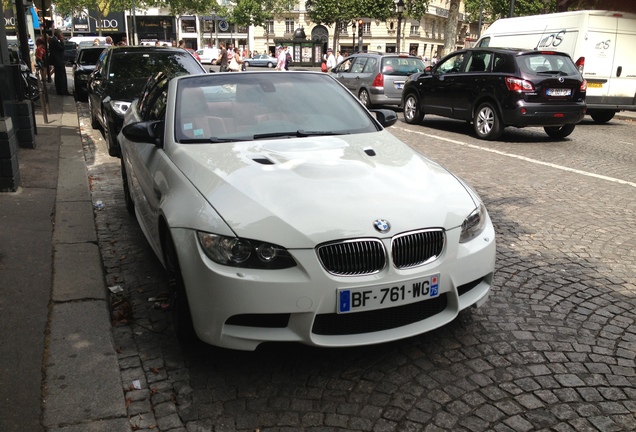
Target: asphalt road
column 554, row 347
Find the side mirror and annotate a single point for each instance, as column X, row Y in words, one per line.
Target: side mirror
column 386, row 117
column 144, row 132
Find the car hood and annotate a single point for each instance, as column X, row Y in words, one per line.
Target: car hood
column 304, row 191
column 126, row 90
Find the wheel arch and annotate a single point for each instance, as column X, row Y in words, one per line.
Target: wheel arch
column 487, row 98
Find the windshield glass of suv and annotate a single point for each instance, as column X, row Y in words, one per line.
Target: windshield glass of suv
column 547, row 63
column 401, row 65
column 126, row 65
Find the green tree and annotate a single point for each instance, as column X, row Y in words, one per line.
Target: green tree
column 255, row 12
column 495, row 9
column 341, row 13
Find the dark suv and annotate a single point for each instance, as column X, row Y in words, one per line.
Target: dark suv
column 119, row 78
column 377, row 78
column 497, row 87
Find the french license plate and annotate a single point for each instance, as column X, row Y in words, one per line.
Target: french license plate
column 399, row 85
column 559, row 92
column 379, row 297
column 594, row 85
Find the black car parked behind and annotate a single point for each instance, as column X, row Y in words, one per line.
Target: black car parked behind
column 119, row 78
column 496, row 87
column 83, row 66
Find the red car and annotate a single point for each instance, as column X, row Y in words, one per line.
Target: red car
column 194, row 54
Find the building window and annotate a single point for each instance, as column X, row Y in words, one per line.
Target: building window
column 366, row 28
column 343, row 27
column 415, row 30
column 270, row 26
column 289, row 25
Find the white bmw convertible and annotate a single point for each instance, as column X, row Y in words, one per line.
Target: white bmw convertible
column 283, row 210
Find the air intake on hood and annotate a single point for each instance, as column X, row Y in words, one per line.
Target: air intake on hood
column 369, row 151
column 262, row 160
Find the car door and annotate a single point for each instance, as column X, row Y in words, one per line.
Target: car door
column 342, row 72
column 97, row 83
column 440, row 91
column 143, row 158
column 470, row 82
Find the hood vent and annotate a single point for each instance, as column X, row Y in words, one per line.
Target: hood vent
column 262, row 160
column 369, row 151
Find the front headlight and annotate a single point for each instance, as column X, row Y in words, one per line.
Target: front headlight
column 120, row 107
column 473, row 224
column 238, row 252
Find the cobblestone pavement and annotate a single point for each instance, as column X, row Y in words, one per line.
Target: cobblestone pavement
column 554, row 347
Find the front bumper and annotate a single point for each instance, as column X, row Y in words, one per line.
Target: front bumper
column 241, row 308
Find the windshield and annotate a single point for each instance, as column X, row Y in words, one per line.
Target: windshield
column 126, row 64
column 402, row 66
column 250, row 106
column 89, row 56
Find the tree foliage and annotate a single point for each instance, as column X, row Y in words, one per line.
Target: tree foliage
column 495, row 9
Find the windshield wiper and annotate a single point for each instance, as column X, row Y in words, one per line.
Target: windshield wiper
column 213, row 140
column 298, row 133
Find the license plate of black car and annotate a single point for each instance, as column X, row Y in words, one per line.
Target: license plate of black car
column 559, row 92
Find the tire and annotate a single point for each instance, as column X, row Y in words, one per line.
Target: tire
column 246, row 63
column 412, row 112
column 33, row 90
column 486, row 123
column 270, row 65
column 559, row 132
column 94, row 121
column 181, row 317
column 364, row 97
column 111, row 140
column 130, row 204
column 602, row 116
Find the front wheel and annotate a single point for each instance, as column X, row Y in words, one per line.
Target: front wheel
column 559, row 132
column 413, row 114
column 130, row 205
column 94, row 121
column 246, row 63
column 181, row 317
column 270, row 65
column 486, row 123
column 111, row 138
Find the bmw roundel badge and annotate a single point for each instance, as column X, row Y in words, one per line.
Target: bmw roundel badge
column 382, row 225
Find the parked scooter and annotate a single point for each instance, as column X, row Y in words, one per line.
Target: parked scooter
column 28, row 79
column 29, row 82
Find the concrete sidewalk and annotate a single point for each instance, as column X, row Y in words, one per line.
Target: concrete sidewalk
column 58, row 364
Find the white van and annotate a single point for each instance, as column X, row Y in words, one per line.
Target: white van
column 601, row 43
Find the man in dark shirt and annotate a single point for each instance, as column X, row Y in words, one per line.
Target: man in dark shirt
column 56, row 50
column 222, row 60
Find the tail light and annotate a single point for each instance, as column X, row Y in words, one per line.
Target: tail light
column 583, row 87
column 378, row 81
column 516, row 84
column 580, row 64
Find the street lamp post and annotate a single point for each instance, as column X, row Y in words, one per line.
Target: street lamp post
column 164, row 24
column 399, row 5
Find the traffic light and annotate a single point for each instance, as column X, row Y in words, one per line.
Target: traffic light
column 360, row 24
